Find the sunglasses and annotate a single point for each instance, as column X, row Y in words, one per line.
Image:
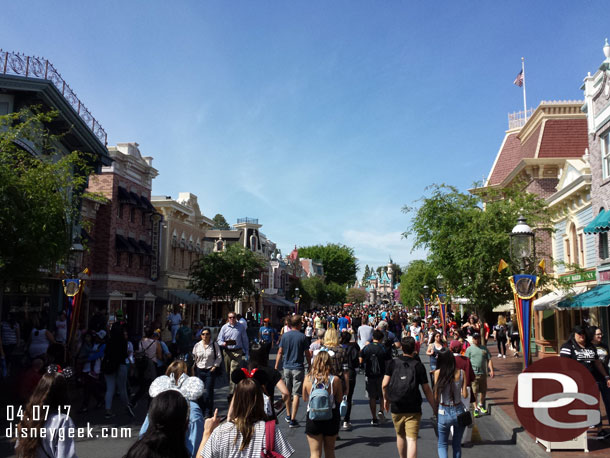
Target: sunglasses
column 231, row 317
column 205, row 333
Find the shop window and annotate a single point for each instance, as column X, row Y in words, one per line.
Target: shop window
column 548, row 325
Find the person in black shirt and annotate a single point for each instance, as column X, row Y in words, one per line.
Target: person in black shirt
column 406, row 412
column 373, row 357
column 580, row 348
column 595, row 334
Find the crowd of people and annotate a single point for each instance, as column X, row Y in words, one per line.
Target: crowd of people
column 319, row 357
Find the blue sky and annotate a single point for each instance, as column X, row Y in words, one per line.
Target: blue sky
column 320, row 118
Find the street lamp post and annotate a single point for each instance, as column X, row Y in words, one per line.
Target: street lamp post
column 522, row 244
column 257, row 294
column 523, row 252
column 426, row 289
column 442, row 300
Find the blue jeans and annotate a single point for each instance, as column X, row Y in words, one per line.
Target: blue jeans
column 114, row 382
column 445, row 422
column 207, row 400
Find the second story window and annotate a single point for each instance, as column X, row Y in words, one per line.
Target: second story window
column 605, row 147
column 132, row 215
column 119, row 211
column 603, row 245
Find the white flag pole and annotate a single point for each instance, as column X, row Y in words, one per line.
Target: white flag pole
column 524, row 99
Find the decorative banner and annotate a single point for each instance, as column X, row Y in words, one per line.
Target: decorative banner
column 524, row 289
column 443, row 310
column 426, row 307
column 73, row 288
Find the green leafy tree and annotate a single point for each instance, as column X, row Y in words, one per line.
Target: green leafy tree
column 220, row 222
column 313, row 290
column 40, row 194
column 397, row 272
column 417, row 274
column 335, row 293
column 356, row 295
column 366, row 275
column 340, row 264
column 465, row 242
column 226, row 274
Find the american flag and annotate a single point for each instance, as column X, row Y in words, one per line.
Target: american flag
column 519, row 79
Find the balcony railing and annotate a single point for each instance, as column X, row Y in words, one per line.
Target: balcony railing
column 519, row 118
column 37, row 67
column 247, row 220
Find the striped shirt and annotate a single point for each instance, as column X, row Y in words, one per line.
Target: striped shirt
column 221, row 443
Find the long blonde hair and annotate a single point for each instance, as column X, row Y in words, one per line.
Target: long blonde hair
column 331, row 338
column 320, row 367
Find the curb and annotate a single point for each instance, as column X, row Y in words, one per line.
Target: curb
column 521, row 438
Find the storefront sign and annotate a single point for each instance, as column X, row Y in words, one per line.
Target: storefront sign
column 154, row 262
column 582, row 277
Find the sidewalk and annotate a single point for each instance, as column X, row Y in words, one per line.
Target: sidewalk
column 500, row 398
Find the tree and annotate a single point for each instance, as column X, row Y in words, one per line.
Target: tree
column 335, row 293
column 356, row 295
column 340, row 264
column 226, row 274
column 366, row 275
column 40, row 195
column 313, row 291
column 221, row 223
column 417, row 274
column 465, row 242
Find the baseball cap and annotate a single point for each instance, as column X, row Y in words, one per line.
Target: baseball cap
column 455, row 346
column 266, row 320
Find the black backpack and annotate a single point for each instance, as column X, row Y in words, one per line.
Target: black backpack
column 403, row 382
column 374, row 367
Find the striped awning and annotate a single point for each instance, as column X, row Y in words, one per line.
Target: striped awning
column 601, row 223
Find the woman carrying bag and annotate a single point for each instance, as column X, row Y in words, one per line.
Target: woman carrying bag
column 449, row 389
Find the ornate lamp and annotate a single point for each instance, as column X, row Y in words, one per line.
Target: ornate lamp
column 522, row 244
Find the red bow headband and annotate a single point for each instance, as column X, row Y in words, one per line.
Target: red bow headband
column 249, row 374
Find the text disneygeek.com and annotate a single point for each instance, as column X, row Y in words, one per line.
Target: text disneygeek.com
column 85, row 432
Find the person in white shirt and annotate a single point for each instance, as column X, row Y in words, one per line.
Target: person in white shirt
column 174, row 320
column 52, row 394
column 61, row 329
column 208, row 358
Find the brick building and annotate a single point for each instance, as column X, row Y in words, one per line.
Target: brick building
column 597, row 108
column 123, row 250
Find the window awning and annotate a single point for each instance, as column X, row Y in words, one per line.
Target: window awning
column 550, row 300
column 122, row 244
column 601, row 223
column 145, row 247
column 123, row 195
column 596, row 297
column 184, row 296
column 135, row 246
column 147, row 204
column 135, row 199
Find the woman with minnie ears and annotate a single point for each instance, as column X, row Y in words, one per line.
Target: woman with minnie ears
column 51, row 391
column 246, row 429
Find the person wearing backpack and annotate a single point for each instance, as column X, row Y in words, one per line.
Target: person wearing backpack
column 322, row 392
column 373, row 357
column 403, row 378
column 500, row 334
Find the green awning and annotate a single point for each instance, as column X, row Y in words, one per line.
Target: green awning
column 601, row 223
column 596, row 297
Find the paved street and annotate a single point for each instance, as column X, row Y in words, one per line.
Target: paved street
column 363, row 441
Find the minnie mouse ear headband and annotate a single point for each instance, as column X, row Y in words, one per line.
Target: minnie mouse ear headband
column 189, row 387
column 240, row 374
column 330, row 352
column 67, row 372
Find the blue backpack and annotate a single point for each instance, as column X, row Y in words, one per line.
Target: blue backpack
column 320, row 401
